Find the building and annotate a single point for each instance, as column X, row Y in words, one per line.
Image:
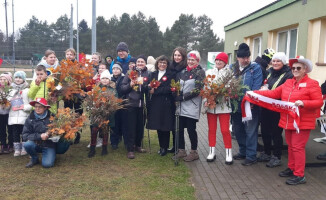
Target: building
column 296, row 27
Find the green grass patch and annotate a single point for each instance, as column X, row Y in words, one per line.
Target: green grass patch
column 114, row 176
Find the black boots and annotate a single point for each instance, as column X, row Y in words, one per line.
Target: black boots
column 104, row 150
column 91, row 152
column 77, row 139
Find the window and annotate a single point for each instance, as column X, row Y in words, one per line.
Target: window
column 257, row 47
column 287, row 42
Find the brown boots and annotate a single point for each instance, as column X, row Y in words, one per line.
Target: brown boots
column 193, row 155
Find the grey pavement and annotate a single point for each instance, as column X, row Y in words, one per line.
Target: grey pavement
column 216, row 180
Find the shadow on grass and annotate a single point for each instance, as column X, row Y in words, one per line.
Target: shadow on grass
column 75, row 176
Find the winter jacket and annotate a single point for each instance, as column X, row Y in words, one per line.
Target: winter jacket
column 278, row 77
column 161, row 107
column 19, row 101
column 124, row 62
column 251, row 75
column 221, row 107
column 135, row 97
column 33, row 129
column 41, row 91
column 46, row 65
column 191, row 82
column 308, row 91
column 118, row 81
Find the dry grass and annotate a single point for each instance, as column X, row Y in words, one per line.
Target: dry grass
column 75, row 176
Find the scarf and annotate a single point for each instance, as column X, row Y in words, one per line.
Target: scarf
column 270, row 104
column 42, row 116
column 191, row 68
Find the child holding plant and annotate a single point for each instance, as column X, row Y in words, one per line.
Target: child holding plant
column 19, row 110
column 5, row 81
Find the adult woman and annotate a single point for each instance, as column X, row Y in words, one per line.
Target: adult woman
column 221, row 111
column 189, row 104
column 306, row 94
column 271, row 132
column 179, row 62
column 161, row 104
column 135, row 91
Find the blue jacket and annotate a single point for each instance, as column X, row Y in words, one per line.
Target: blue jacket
column 251, row 75
column 124, row 62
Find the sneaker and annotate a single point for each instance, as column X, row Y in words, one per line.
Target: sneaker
column 296, row 180
column 239, row 157
column 274, row 162
column 99, row 142
column 263, row 157
column 286, row 173
column 247, row 162
column 140, row 150
column 131, row 155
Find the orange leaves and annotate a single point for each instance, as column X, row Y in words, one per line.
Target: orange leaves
column 66, row 123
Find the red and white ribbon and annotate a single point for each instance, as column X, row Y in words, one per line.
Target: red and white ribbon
column 270, row 104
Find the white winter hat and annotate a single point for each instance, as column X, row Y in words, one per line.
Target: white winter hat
column 106, row 74
column 280, row 56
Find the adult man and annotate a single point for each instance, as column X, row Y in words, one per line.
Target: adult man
column 123, row 57
column 246, row 133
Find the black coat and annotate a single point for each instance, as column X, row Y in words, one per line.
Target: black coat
column 135, row 98
column 274, row 75
column 33, row 129
column 161, row 104
column 118, row 82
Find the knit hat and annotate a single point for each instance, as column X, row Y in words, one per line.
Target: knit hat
column 20, row 74
column 106, row 74
column 117, row 65
column 8, row 76
column 151, row 60
column 133, row 60
column 268, row 55
column 243, row 51
column 42, row 101
column 222, row 56
column 280, row 56
column 142, row 57
column 301, row 59
column 122, row 46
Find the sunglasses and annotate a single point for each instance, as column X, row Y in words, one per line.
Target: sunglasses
column 296, row 68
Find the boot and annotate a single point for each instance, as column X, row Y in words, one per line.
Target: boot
column 211, row 156
column 17, row 148
column 23, row 152
column 91, row 152
column 193, row 155
column 171, row 150
column 104, row 150
column 77, row 138
column 228, row 157
column 181, row 154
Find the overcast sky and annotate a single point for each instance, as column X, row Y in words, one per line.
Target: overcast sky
column 222, row 12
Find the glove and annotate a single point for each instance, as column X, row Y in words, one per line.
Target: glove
column 179, row 98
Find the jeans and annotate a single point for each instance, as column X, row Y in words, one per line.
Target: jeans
column 246, row 133
column 48, row 154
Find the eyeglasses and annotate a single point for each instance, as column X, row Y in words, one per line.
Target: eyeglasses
column 296, row 68
column 162, row 63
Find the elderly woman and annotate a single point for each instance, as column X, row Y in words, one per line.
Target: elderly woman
column 221, row 111
column 305, row 93
column 271, row 132
column 160, row 106
column 189, row 104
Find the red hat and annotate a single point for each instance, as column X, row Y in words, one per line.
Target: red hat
column 301, row 59
column 42, row 101
column 222, row 56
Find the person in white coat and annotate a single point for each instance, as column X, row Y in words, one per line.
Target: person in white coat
column 19, row 109
column 221, row 111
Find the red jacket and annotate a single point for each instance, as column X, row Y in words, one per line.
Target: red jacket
column 308, row 91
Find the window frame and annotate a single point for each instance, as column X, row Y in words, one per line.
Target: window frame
column 288, row 40
column 253, row 47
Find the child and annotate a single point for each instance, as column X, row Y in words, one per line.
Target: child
column 105, row 82
column 5, row 80
column 39, row 88
column 19, row 110
column 120, row 129
column 97, row 77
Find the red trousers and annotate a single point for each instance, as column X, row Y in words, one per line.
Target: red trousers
column 296, row 150
column 224, row 125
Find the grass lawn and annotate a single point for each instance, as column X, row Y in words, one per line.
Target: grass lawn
column 75, row 176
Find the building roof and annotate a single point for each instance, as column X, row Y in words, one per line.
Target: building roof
column 276, row 5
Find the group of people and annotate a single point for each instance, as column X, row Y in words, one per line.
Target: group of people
column 161, row 107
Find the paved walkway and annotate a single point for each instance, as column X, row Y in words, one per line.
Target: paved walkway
column 216, row 180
